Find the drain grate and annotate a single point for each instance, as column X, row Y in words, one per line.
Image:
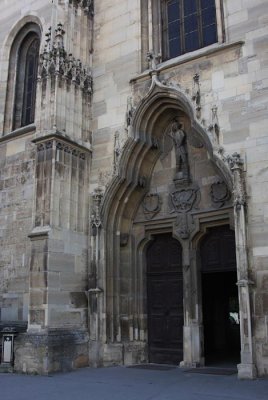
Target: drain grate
column 154, row 367
column 211, row 371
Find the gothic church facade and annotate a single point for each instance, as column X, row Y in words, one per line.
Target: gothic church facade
column 133, row 183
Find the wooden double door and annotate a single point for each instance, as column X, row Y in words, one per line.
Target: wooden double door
column 165, row 300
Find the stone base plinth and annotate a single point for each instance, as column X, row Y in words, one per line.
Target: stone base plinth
column 109, row 354
column 51, row 351
column 246, row 371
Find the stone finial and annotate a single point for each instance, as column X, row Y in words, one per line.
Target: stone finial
column 235, row 164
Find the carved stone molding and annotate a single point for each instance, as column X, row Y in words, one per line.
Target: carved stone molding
column 61, row 146
column 54, row 61
column 124, row 238
column 184, row 225
column 142, row 181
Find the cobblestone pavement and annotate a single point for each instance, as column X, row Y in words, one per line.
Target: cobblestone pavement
column 122, row 383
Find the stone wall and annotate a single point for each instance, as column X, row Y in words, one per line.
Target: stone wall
column 225, row 86
column 17, row 184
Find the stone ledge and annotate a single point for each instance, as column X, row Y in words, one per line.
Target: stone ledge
column 188, row 57
column 40, row 138
column 18, row 132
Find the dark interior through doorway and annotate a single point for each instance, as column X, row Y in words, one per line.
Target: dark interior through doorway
column 220, row 298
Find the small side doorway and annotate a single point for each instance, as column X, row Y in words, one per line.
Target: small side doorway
column 220, row 298
column 165, row 300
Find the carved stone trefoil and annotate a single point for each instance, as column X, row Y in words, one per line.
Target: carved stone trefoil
column 151, row 205
column 219, row 193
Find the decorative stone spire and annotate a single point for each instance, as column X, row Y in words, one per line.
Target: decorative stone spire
column 55, row 61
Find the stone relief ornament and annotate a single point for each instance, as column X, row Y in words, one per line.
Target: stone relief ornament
column 119, row 142
column 151, row 205
column 153, row 60
column 182, row 202
column 95, row 215
column 184, row 225
column 214, row 128
column 219, row 194
column 196, row 95
column 130, row 112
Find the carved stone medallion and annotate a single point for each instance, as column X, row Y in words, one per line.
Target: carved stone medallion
column 219, row 193
column 183, row 199
column 151, row 205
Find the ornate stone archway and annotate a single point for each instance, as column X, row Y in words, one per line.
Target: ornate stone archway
column 117, row 296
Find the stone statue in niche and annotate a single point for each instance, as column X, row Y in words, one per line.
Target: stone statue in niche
column 179, row 140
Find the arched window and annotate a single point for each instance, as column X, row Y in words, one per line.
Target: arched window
column 24, row 105
column 22, row 78
column 188, row 25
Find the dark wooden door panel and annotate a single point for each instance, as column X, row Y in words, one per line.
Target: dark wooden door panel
column 165, row 300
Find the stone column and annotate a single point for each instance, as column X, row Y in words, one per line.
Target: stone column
column 247, row 368
column 192, row 329
column 94, row 292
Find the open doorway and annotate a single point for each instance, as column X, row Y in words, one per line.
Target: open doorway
column 220, row 298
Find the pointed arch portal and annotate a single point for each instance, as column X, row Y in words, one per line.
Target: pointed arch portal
column 151, row 197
